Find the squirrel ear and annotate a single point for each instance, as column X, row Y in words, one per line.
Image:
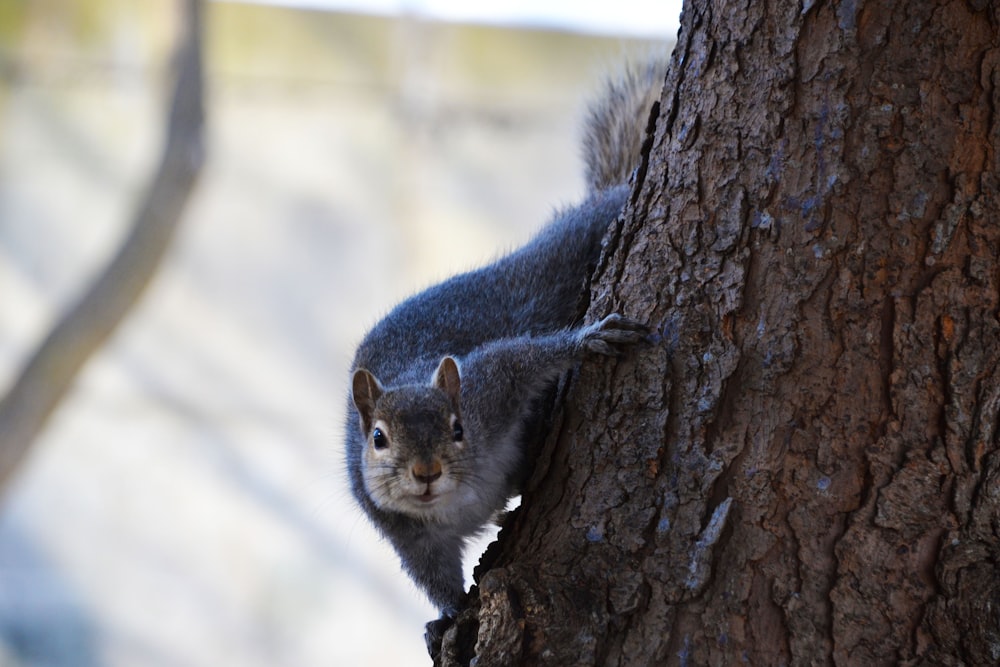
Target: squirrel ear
column 447, row 378
column 366, row 390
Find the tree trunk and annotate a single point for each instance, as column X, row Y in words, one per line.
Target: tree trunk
column 806, row 468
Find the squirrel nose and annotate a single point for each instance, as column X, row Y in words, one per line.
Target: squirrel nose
column 425, row 473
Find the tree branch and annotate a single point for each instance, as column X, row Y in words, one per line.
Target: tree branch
column 87, row 324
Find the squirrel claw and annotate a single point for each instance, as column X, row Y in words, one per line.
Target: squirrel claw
column 434, row 634
column 614, row 331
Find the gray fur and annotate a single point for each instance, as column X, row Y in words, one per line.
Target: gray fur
column 512, row 329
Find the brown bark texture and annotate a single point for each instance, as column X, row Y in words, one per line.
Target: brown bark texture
column 805, row 469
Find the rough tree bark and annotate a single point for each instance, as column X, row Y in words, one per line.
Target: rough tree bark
column 49, row 373
column 806, row 469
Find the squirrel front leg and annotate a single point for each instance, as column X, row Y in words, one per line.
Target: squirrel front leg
column 433, row 559
column 506, row 375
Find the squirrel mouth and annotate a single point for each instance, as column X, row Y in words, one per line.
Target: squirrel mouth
column 427, row 496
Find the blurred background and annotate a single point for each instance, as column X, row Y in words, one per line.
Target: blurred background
column 186, row 504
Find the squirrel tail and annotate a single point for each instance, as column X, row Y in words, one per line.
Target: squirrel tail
column 615, row 126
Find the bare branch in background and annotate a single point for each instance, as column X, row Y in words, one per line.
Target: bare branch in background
column 86, row 325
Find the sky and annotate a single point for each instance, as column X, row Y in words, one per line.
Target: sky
column 644, row 18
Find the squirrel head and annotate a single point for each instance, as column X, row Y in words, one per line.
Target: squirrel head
column 414, row 442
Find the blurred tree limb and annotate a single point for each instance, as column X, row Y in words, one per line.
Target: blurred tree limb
column 85, row 326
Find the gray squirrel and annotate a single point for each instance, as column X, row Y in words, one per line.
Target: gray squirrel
column 444, row 389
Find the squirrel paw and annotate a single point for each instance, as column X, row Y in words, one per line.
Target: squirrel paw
column 434, row 634
column 610, row 334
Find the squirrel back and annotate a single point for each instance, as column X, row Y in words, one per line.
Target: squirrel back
column 444, row 388
column 534, row 288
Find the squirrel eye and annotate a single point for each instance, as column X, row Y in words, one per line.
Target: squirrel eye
column 379, row 439
column 457, row 432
